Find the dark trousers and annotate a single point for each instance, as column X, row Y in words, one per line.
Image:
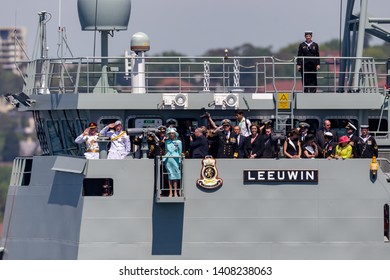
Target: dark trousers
column 309, row 78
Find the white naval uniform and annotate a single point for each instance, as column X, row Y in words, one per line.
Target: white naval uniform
column 245, row 125
column 120, row 143
column 92, row 151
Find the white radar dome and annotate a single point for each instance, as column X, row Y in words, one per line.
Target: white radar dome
column 140, row 42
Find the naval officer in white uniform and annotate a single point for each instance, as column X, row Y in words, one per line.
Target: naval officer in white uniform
column 89, row 136
column 120, row 141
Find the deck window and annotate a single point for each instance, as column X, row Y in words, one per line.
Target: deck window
column 98, row 187
column 373, row 125
column 56, row 138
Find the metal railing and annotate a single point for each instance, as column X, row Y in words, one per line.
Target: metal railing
column 21, row 171
column 163, row 181
column 199, row 74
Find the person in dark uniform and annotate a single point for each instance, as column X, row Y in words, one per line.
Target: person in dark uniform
column 264, row 125
column 309, row 148
column 154, row 147
column 240, row 141
column 161, row 134
column 330, row 146
column 308, row 66
column 211, row 130
column 270, row 144
column 227, row 145
column 254, row 143
column 366, row 144
column 320, row 139
column 199, row 144
column 303, row 131
column 353, row 138
column 292, row 145
column 151, row 145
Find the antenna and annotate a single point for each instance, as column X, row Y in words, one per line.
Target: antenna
column 59, row 13
column 60, row 30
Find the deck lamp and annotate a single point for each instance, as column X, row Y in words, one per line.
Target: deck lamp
column 374, row 166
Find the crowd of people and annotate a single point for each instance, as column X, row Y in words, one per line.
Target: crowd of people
column 242, row 140
column 327, row 144
column 251, row 140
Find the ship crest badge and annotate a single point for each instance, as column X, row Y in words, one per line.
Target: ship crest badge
column 209, row 174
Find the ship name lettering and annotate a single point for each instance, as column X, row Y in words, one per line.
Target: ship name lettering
column 280, row 176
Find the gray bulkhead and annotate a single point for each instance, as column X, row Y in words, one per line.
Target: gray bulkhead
column 341, row 217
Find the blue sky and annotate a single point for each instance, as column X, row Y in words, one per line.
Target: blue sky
column 192, row 27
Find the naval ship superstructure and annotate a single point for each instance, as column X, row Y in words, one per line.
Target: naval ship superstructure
column 61, row 205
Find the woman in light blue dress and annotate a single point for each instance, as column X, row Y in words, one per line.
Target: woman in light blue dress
column 173, row 148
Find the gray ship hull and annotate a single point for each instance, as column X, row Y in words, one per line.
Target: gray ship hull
column 340, row 217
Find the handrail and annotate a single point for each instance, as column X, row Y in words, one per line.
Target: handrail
column 379, row 160
column 263, row 74
column 162, row 176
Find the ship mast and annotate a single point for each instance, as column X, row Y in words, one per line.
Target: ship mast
column 44, row 51
column 355, row 29
column 105, row 16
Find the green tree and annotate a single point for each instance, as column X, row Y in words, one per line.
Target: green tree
column 9, row 82
column 332, row 45
column 378, row 52
column 11, row 146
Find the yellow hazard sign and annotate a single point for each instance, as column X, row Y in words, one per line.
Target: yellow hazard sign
column 283, row 102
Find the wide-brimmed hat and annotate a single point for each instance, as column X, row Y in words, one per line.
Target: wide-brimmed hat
column 343, row 139
column 172, row 130
column 92, row 125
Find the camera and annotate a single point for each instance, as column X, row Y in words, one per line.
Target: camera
column 205, row 115
column 191, row 130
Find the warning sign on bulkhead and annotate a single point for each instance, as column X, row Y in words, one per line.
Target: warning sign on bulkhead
column 283, row 100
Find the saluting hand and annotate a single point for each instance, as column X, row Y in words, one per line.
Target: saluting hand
column 86, row 131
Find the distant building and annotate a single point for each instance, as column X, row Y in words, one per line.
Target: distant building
column 11, row 50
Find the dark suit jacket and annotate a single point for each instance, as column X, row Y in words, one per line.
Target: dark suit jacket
column 226, row 146
column 312, row 51
column 199, row 147
column 257, row 147
column 270, row 147
column 320, row 140
column 241, row 146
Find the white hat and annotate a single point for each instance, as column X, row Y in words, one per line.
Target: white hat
column 350, row 126
column 226, row 122
column 118, row 123
column 172, row 130
column 328, row 133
